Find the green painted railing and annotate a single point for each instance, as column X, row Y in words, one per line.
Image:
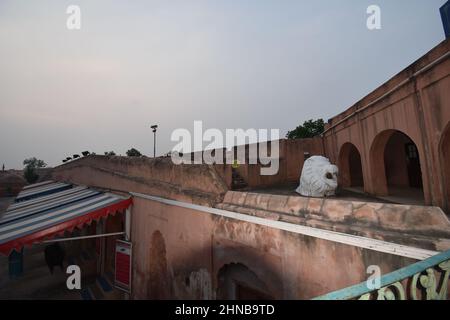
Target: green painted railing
column 424, row 280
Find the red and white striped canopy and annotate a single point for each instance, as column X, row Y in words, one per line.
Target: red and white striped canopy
column 52, row 208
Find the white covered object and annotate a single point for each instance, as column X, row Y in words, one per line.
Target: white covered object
column 319, row 178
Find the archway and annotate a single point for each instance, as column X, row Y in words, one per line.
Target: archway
column 350, row 167
column 444, row 148
column 158, row 282
column 395, row 168
column 237, row 282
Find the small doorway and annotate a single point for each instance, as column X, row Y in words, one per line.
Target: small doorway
column 413, row 164
column 351, row 173
column 396, row 168
column 237, row 282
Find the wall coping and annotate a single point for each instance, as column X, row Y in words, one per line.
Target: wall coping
column 338, row 237
column 377, row 219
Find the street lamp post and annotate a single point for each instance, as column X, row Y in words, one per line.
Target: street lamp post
column 154, row 127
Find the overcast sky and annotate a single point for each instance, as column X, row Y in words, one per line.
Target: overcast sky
column 232, row 64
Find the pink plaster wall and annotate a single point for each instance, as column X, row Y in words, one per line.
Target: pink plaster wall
column 292, row 157
column 197, row 245
column 200, row 184
column 420, row 109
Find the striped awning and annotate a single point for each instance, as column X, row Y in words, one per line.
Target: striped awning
column 53, row 208
column 41, row 189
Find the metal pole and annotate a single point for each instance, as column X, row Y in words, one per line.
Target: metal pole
column 85, row 237
column 154, row 144
column 154, row 127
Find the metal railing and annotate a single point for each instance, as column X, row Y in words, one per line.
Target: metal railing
column 424, row 280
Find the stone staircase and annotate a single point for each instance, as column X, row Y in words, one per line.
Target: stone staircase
column 237, row 182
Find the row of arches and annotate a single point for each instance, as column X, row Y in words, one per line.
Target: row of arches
column 395, row 166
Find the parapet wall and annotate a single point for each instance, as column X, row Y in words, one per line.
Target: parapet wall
column 182, row 253
column 420, row 226
column 201, row 184
column 293, row 154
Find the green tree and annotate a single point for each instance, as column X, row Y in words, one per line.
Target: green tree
column 31, row 164
column 29, row 173
column 309, row 129
column 133, row 153
column 110, row 153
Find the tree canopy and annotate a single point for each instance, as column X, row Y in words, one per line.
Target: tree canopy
column 31, row 164
column 309, row 129
column 134, row 153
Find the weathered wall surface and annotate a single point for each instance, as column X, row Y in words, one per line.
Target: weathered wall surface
column 418, row 226
column 200, row 184
column 292, row 157
column 295, row 155
column 419, row 106
column 179, row 253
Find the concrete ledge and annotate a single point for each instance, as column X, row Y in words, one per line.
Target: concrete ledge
column 320, row 233
column 423, row 226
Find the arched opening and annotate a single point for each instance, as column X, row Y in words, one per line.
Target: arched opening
column 395, row 167
column 237, row 282
column 350, row 167
column 445, row 164
column 158, row 282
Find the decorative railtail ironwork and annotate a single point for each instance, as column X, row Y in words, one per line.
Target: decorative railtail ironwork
column 424, row 280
